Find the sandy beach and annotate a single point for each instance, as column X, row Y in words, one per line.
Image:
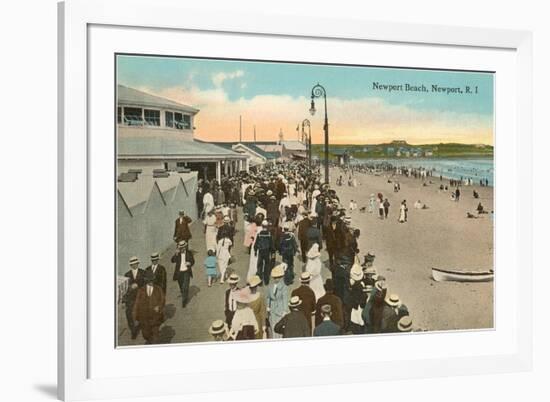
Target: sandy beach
column 440, row 236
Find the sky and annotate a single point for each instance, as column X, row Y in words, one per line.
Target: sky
column 275, row 96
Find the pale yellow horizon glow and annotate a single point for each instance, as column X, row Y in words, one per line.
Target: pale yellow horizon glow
column 358, row 121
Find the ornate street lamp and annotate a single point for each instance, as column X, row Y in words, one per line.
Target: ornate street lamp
column 306, row 123
column 316, row 92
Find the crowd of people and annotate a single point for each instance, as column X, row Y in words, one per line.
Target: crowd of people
column 289, row 215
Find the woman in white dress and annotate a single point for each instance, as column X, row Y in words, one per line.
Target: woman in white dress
column 223, row 256
column 372, row 202
column 402, row 209
column 208, row 202
column 210, row 231
column 253, row 262
column 313, row 266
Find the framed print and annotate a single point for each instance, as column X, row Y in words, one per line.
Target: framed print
column 351, row 197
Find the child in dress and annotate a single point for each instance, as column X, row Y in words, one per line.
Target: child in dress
column 210, row 266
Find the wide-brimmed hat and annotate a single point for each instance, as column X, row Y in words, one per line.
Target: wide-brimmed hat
column 233, row 278
column 294, row 302
column 405, row 324
column 243, row 296
column 392, row 300
column 254, row 281
column 278, row 271
column 305, row 277
column 264, row 223
column 370, row 270
column 155, row 257
column 182, row 243
column 218, row 327
column 356, row 272
column 133, row 260
column 226, row 219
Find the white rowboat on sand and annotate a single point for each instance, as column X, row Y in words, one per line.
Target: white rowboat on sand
column 443, row 275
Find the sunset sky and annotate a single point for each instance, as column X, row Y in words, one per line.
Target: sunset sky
column 275, row 96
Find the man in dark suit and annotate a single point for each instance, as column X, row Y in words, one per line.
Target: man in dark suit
column 327, row 327
column 158, row 271
column 332, row 241
column 181, row 228
column 313, row 234
column 136, row 279
column 230, row 302
column 149, row 309
column 294, row 324
column 183, row 272
column 307, row 296
column 336, row 307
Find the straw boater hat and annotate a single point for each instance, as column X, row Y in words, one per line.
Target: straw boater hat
column 305, row 277
column 264, row 223
column 405, row 324
column 233, row 278
column 218, row 327
column 155, row 257
column 182, row 243
column 278, row 271
column 226, row 219
column 254, row 281
column 133, row 260
column 356, row 272
column 392, row 300
column 294, row 302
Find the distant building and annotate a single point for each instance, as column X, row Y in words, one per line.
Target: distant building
column 390, row 150
column 155, row 133
column 428, row 152
column 293, row 149
column 343, row 156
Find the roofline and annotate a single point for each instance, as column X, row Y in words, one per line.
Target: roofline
column 190, row 157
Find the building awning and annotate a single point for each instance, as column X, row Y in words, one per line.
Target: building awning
column 171, row 148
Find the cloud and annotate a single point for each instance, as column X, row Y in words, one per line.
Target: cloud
column 219, row 78
column 359, row 121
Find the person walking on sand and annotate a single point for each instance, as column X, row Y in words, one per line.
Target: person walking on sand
column 381, row 209
column 372, row 203
column 386, row 206
column 402, row 213
column 457, row 194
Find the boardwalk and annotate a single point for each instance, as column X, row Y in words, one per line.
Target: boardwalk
column 205, row 304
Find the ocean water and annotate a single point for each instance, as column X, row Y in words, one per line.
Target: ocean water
column 452, row 168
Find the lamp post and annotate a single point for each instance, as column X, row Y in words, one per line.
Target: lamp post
column 306, row 123
column 316, row 92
